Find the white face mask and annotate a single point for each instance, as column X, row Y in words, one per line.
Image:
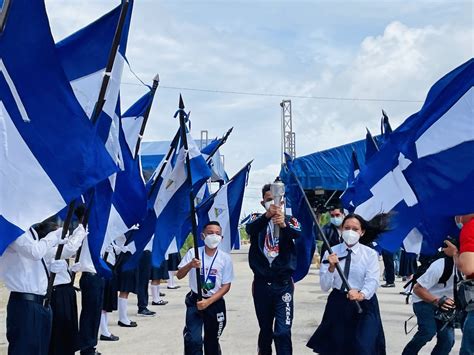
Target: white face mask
column 212, row 240
column 350, row 237
column 268, row 203
column 337, row 221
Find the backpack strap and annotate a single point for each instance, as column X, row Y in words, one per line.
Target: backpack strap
column 447, row 271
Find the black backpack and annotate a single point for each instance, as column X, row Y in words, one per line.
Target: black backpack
column 447, row 271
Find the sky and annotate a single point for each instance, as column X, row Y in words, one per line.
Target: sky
column 379, row 54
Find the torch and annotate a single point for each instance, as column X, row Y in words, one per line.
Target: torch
column 277, row 188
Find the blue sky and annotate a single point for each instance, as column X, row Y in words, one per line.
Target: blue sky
column 352, row 49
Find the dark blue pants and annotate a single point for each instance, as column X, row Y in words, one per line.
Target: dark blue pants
column 389, row 266
column 274, row 305
column 92, row 291
column 213, row 319
column 28, row 327
column 467, row 344
column 144, row 272
column 428, row 327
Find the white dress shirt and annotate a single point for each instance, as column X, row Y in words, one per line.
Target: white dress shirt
column 21, row 267
column 85, row 261
column 363, row 273
column 69, row 249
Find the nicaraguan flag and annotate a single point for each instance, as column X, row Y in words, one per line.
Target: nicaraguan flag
column 225, row 206
column 50, row 153
column 215, row 161
column 172, row 203
column 306, row 243
column 370, row 146
column 426, row 168
column 84, row 56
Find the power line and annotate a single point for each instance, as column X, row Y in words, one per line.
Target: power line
column 332, row 98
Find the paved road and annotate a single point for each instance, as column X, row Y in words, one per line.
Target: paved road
column 163, row 334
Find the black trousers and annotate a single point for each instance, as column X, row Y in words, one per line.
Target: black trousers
column 92, row 290
column 389, row 266
column 213, row 318
column 65, row 331
column 274, row 308
column 28, row 327
column 144, row 272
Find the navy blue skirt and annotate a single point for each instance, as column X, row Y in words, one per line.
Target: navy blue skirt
column 173, row 261
column 127, row 280
column 344, row 331
column 160, row 273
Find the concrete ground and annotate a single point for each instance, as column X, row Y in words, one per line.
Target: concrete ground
column 163, row 334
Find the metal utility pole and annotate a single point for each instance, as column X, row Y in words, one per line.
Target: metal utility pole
column 288, row 143
column 204, row 138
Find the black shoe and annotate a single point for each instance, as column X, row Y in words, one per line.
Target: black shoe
column 387, row 285
column 159, row 303
column 110, row 338
column 173, row 287
column 162, row 294
column 131, row 325
column 146, row 313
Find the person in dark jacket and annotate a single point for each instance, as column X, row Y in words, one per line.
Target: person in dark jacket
column 273, row 261
column 333, row 229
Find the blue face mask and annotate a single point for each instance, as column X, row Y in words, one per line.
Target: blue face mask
column 459, row 224
column 337, row 221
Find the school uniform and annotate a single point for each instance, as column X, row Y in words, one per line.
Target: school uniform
column 273, row 263
column 25, row 274
column 92, row 293
column 216, row 270
column 343, row 330
column 65, row 329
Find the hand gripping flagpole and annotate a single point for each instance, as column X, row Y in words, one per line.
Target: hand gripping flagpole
column 182, row 124
column 345, row 282
column 59, row 251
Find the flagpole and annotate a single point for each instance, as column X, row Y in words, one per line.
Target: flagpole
column 221, row 143
column 182, row 125
column 110, row 63
column 156, row 82
column 173, row 145
column 59, row 251
column 343, row 277
column 4, row 14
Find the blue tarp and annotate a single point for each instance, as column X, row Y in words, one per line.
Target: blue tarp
column 327, row 169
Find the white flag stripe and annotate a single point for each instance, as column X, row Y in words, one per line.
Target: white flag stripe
column 131, row 129
column 24, row 186
column 412, row 242
column 14, row 92
column 86, row 89
column 220, row 212
column 459, row 119
column 115, row 227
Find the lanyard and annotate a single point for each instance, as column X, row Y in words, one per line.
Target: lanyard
column 272, row 241
column 210, row 267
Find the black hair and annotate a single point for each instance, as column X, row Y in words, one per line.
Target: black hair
column 265, row 188
column 211, row 223
column 377, row 225
column 336, row 206
column 45, row 227
column 80, row 211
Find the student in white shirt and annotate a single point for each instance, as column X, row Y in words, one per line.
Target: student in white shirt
column 343, row 330
column 25, row 274
column 216, row 272
column 428, row 296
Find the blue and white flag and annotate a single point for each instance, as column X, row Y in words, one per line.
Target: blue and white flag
column 306, row 243
column 172, row 204
column 347, row 195
column 215, row 161
column 225, row 206
column 370, row 146
column 84, row 56
column 426, row 168
column 50, row 153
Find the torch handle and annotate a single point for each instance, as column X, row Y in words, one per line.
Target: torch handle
column 276, row 228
